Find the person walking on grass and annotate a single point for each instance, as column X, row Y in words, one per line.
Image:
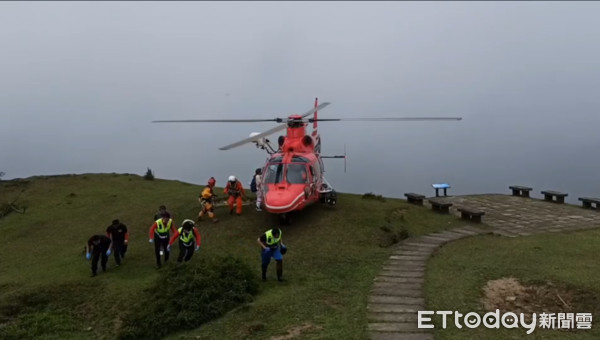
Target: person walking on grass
column 207, row 201
column 98, row 247
column 189, row 240
column 272, row 245
column 159, row 235
column 119, row 236
column 235, row 191
column 161, row 210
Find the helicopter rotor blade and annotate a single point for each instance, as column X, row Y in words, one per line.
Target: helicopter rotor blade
column 253, row 138
column 278, row 120
column 270, row 131
column 385, row 119
column 312, row 111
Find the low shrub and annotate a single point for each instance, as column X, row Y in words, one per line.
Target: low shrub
column 149, row 176
column 186, row 296
column 372, row 196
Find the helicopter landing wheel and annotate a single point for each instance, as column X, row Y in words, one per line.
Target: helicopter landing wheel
column 330, row 198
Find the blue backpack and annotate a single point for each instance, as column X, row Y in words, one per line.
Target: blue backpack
column 253, row 184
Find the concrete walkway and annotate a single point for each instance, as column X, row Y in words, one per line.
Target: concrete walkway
column 397, row 292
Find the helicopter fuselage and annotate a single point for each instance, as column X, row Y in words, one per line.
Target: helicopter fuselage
column 293, row 176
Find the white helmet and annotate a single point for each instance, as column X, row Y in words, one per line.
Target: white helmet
column 188, row 223
column 231, row 178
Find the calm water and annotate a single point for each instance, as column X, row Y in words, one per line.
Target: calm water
column 477, row 155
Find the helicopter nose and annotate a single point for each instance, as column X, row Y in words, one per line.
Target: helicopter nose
column 285, row 199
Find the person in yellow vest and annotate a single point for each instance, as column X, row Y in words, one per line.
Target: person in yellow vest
column 189, row 240
column 272, row 245
column 206, row 199
column 159, row 235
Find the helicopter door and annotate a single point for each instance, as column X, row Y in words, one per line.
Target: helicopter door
column 313, row 179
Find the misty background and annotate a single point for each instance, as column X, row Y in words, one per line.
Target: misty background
column 80, row 83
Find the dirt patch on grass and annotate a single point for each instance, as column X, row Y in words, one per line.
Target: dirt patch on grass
column 508, row 294
column 296, row 332
column 333, row 301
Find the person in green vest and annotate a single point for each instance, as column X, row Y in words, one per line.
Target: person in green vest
column 159, row 235
column 189, row 240
column 272, row 245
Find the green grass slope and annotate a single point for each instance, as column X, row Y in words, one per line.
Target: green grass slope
column 458, row 272
column 46, row 292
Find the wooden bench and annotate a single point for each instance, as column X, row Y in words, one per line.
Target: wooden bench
column 440, row 205
column 444, row 186
column 413, row 198
column 471, row 214
column 518, row 190
column 549, row 196
column 588, row 201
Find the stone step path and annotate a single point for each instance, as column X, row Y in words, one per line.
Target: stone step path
column 397, row 292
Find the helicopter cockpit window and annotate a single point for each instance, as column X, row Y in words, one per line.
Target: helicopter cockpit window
column 274, row 173
column 296, row 173
column 299, row 159
column 276, row 159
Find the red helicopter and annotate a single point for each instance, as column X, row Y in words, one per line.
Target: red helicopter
column 294, row 174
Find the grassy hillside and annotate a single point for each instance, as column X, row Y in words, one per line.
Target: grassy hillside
column 46, row 291
column 559, row 271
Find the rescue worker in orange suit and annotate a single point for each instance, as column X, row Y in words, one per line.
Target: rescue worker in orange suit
column 272, row 246
column 189, row 240
column 159, row 235
column 119, row 236
column 206, row 199
column 235, row 191
column 98, row 246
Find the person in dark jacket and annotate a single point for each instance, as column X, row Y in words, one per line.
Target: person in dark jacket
column 98, row 246
column 117, row 232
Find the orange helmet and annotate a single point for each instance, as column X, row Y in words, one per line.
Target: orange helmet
column 212, row 181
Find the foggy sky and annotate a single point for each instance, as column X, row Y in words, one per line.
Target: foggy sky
column 80, row 83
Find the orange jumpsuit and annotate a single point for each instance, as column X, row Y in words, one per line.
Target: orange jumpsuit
column 235, row 194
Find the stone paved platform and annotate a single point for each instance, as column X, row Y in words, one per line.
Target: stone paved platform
column 520, row 216
column 397, row 292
